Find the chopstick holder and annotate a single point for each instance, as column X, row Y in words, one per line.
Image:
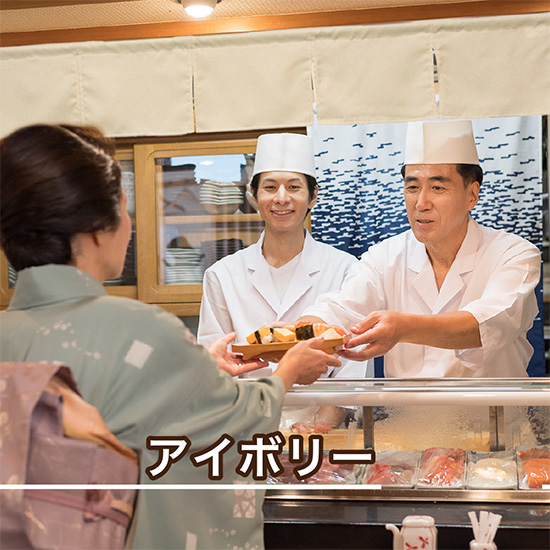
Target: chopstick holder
column 484, row 530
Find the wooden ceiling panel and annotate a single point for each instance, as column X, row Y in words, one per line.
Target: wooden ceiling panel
column 38, row 15
column 83, row 20
column 33, row 4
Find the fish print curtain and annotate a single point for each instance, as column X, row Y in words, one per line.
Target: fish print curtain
column 361, row 201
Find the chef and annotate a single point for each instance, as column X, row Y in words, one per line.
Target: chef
column 279, row 276
column 448, row 297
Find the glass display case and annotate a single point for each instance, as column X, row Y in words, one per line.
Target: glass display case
column 482, row 440
column 194, row 204
column 447, row 422
column 126, row 284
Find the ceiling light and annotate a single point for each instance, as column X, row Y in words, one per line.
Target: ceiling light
column 199, row 8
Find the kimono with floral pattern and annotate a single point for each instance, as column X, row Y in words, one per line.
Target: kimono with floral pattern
column 142, row 369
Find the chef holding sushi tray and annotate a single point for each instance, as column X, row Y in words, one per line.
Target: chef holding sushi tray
column 448, row 297
column 255, row 294
column 266, row 286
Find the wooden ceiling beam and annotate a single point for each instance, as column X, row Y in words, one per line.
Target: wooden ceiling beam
column 264, row 23
column 32, row 4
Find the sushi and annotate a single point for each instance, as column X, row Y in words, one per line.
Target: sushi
column 304, row 332
column 283, row 335
column 261, row 336
column 294, row 332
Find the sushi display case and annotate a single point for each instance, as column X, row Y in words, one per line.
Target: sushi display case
column 448, row 440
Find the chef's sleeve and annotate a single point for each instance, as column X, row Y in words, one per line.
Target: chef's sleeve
column 214, row 318
column 361, row 293
column 508, row 305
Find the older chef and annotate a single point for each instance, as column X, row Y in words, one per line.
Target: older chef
column 447, row 298
column 279, row 276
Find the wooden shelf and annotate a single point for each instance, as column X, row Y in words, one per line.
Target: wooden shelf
column 187, row 309
column 212, row 218
column 122, row 290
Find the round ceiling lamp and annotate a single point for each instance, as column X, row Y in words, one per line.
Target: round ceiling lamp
column 199, row 8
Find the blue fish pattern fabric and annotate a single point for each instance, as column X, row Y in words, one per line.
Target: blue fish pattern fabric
column 360, row 199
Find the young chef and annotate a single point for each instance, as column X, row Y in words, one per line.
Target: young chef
column 279, row 276
column 447, row 298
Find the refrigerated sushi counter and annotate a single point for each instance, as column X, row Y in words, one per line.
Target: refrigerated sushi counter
column 441, row 448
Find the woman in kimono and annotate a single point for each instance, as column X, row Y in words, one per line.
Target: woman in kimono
column 276, row 278
column 64, row 227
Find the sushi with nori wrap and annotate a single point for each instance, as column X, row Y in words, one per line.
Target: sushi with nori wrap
column 304, row 332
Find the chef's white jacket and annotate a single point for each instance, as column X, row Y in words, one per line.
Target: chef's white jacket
column 239, row 295
column 493, row 277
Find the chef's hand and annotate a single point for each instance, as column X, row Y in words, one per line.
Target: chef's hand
column 233, row 362
column 305, row 362
column 377, row 333
column 381, row 330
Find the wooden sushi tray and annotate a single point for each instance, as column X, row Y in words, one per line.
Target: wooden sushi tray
column 275, row 350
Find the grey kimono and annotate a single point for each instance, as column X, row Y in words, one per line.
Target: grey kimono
column 142, row 369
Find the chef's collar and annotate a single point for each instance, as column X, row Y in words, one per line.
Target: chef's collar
column 465, row 256
column 309, row 259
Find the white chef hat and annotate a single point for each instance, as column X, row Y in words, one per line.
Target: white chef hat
column 441, row 142
column 284, row 153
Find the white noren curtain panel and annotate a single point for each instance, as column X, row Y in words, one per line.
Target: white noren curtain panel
column 381, row 73
column 127, row 88
column 494, row 66
column 254, row 80
column 134, row 88
column 38, row 84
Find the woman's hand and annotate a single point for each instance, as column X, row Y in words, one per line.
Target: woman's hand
column 230, row 362
column 305, row 362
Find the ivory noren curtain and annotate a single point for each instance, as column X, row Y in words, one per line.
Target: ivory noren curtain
column 488, row 66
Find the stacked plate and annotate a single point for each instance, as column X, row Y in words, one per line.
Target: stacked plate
column 220, row 197
column 183, row 266
column 212, row 251
column 128, row 277
column 127, row 183
column 182, row 199
column 12, row 276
